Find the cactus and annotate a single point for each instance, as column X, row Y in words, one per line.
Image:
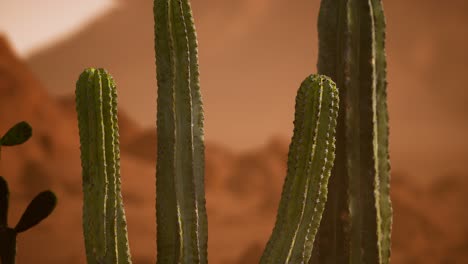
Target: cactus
column 104, row 222
column 16, row 135
column 38, row 209
column 356, row 221
column 180, row 205
column 310, row 160
column 356, row 224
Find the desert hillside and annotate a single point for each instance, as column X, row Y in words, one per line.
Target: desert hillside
column 254, row 55
column 242, row 193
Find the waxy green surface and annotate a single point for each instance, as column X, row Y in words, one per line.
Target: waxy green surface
column 180, row 203
column 356, row 224
column 104, row 223
column 310, row 160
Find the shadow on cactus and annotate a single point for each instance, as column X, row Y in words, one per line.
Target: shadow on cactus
column 38, row 209
column 358, row 210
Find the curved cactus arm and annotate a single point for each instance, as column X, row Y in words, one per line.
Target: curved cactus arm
column 16, row 135
column 310, row 159
column 180, row 204
column 103, row 215
column 39, row 208
column 357, row 217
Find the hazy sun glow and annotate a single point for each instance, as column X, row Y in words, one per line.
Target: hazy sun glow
column 30, row 24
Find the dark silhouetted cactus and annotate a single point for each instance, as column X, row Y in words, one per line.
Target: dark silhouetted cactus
column 356, row 224
column 39, row 208
column 16, row 135
column 104, row 224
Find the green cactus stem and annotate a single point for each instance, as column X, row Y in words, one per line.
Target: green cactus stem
column 180, row 204
column 310, row 159
column 356, row 224
column 104, row 222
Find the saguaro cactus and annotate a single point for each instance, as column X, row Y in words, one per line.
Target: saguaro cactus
column 180, row 203
column 311, row 156
column 356, row 224
column 357, row 211
column 104, row 223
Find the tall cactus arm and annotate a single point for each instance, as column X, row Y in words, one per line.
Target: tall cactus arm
column 357, row 217
column 198, row 134
column 103, row 215
column 311, row 156
column 180, row 204
column 385, row 205
column 91, row 127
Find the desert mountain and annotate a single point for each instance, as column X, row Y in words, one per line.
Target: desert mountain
column 254, row 54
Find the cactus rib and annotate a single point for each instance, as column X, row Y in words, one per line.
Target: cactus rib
column 357, row 218
column 181, row 213
column 104, row 223
column 385, row 205
column 310, row 159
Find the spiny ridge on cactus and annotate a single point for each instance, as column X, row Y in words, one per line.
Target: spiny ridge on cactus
column 181, row 215
column 180, row 204
column 356, row 224
column 104, row 222
column 310, row 160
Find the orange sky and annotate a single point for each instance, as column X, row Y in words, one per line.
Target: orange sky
column 32, row 25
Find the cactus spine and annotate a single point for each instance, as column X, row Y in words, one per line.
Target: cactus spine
column 356, row 223
column 104, row 223
column 310, row 159
column 181, row 215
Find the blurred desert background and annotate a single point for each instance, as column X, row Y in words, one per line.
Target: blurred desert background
column 253, row 56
